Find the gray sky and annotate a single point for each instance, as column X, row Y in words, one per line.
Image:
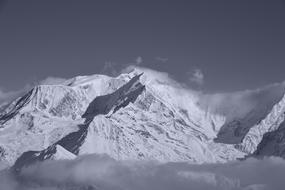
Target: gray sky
column 227, row 45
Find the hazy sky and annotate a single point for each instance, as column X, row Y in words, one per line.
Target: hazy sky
column 231, row 45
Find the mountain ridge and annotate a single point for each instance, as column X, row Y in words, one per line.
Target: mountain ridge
column 139, row 118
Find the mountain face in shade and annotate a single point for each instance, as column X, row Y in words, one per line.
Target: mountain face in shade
column 135, row 116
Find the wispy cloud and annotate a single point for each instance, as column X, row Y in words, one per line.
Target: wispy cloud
column 196, row 77
column 138, row 60
column 114, row 69
column 110, row 68
column 161, row 59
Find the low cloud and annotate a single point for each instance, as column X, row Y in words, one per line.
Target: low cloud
column 105, row 173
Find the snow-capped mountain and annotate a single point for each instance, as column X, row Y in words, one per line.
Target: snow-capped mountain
column 140, row 115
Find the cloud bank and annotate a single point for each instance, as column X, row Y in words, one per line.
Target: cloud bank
column 104, row 173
